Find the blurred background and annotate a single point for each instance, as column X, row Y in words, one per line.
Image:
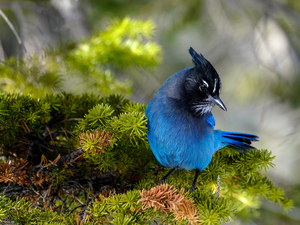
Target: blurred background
column 254, row 46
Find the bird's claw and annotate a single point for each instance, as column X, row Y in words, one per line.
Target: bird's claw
column 192, row 189
column 160, row 182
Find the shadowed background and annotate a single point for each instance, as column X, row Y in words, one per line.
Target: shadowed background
column 254, row 46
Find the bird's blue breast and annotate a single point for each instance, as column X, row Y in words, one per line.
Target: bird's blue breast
column 176, row 137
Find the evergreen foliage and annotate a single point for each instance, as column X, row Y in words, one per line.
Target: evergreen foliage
column 90, row 65
column 88, row 156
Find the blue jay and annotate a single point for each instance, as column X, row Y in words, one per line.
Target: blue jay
column 180, row 123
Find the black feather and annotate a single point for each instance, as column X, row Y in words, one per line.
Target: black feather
column 198, row 59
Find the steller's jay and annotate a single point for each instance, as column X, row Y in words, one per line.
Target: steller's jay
column 180, row 123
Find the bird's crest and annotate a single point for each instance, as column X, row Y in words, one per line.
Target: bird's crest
column 198, row 59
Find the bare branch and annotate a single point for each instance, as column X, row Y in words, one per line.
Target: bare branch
column 11, row 26
column 218, row 187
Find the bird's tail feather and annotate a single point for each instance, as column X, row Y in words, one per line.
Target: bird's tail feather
column 240, row 142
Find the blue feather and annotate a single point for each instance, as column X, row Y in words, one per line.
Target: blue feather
column 238, row 141
column 180, row 124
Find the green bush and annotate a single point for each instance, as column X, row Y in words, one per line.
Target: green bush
column 95, row 151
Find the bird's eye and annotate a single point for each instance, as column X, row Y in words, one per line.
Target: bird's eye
column 203, row 86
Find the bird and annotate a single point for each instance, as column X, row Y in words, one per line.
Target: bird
column 180, row 125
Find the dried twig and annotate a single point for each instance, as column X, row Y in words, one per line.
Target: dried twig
column 11, row 26
column 166, row 198
column 218, row 187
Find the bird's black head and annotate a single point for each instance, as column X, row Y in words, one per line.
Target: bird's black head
column 202, row 86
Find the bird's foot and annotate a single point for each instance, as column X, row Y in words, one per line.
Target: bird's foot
column 195, row 180
column 169, row 174
column 161, row 181
column 192, row 189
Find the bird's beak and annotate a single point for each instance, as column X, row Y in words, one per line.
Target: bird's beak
column 218, row 102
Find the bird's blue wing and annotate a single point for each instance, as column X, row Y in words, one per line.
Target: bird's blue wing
column 240, row 142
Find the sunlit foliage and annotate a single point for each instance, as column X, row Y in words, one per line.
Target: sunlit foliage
column 90, row 66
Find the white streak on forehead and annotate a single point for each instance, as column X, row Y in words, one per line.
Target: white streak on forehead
column 191, row 79
column 205, row 83
column 215, row 85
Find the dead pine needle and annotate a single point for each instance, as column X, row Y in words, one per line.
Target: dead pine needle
column 167, row 198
